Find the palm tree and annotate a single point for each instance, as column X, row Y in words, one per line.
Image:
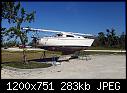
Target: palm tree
column 122, row 40
column 101, row 37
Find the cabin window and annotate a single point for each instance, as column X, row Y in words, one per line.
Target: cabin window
column 91, row 37
column 59, row 35
column 69, row 36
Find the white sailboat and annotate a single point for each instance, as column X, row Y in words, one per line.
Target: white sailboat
column 66, row 42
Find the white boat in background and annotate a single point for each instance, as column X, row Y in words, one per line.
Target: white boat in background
column 66, row 42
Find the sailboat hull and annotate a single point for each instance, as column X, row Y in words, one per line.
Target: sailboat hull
column 65, row 45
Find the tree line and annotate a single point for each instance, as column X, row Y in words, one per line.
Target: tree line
column 11, row 43
column 110, row 39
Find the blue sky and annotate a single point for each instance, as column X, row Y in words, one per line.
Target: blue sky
column 82, row 17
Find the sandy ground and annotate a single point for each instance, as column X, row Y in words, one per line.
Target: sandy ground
column 99, row 67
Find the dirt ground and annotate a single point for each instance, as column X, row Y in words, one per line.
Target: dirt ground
column 98, row 67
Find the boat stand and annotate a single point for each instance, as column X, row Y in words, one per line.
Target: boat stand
column 43, row 54
column 55, row 59
column 82, row 55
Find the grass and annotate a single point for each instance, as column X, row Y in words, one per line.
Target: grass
column 30, row 65
column 15, row 59
column 14, row 56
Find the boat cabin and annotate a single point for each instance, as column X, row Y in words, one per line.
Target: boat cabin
column 69, row 35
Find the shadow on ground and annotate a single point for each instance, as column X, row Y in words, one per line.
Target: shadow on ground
column 50, row 59
column 7, row 62
column 45, row 59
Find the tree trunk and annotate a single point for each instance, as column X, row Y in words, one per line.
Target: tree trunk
column 24, row 56
column 24, row 51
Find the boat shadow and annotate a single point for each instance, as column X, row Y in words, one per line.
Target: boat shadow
column 50, row 59
column 45, row 59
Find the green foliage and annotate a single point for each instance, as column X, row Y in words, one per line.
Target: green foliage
column 32, row 65
column 101, row 38
column 110, row 40
column 14, row 13
column 7, row 11
column 10, row 43
column 122, row 40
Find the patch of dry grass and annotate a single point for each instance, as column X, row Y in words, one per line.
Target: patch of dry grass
column 14, row 56
column 15, row 59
